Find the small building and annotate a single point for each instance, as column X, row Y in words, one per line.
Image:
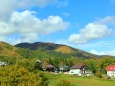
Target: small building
column 50, row 68
column 111, row 71
column 78, row 70
column 65, row 69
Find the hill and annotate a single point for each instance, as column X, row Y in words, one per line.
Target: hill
column 41, row 50
column 57, row 48
column 8, row 50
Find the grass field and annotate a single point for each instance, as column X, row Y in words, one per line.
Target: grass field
column 79, row 81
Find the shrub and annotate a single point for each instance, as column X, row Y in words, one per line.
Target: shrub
column 64, row 83
column 98, row 74
column 19, row 76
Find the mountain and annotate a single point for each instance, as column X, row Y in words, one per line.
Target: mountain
column 57, row 48
column 41, row 49
column 8, row 50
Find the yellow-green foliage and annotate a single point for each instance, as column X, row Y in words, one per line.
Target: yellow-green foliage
column 98, row 74
column 7, row 50
column 64, row 82
column 19, row 76
column 64, row 49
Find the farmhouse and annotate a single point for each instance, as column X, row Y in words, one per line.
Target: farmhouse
column 50, row 68
column 111, row 71
column 78, row 69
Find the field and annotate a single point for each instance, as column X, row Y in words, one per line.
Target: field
column 79, row 81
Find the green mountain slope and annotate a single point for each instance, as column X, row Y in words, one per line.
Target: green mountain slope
column 56, row 49
column 41, row 50
column 8, row 50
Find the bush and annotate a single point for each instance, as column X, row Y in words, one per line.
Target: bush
column 64, row 83
column 98, row 74
column 18, row 76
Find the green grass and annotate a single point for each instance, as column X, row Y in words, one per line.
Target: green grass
column 78, row 81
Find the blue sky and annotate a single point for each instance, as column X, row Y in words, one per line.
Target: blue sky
column 84, row 24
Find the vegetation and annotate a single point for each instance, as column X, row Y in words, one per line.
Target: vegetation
column 22, row 70
column 58, row 49
column 18, row 76
column 64, row 82
column 78, row 81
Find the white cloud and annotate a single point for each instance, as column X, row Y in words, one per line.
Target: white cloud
column 24, row 26
column 54, row 20
column 29, row 27
column 107, row 20
column 9, row 6
column 29, row 37
column 95, row 30
column 90, row 32
column 6, row 8
column 111, row 52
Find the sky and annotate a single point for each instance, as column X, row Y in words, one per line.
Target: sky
column 88, row 25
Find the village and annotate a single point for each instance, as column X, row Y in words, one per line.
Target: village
column 78, row 69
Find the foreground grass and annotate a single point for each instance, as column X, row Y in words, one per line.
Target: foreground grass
column 78, row 81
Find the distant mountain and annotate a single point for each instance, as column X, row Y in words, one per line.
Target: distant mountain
column 41, row 49
column 38, row 45
column 63, row 49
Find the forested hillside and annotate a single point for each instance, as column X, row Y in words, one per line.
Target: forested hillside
column 56, row 50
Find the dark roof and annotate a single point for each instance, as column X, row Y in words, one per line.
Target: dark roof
column 50, row 66
column 77, row 66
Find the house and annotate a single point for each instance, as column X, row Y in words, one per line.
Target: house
column 64, row 69
column 111, row 71
column 79, row 70
column 2, row 64
column 50, row 68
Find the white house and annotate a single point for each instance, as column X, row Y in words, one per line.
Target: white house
column 111, row 71
column 78, row 70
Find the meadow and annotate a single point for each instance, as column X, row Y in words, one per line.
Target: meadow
column 78, row 81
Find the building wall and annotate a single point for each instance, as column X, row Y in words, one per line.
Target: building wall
column 75, row 71
column 111, row 73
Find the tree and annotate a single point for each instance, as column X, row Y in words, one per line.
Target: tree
column 18, row 76
column 92, row 66
column 106, row 61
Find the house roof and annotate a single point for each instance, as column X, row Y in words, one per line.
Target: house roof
column 110, row 68
column 50, row 66
column 77, row 66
